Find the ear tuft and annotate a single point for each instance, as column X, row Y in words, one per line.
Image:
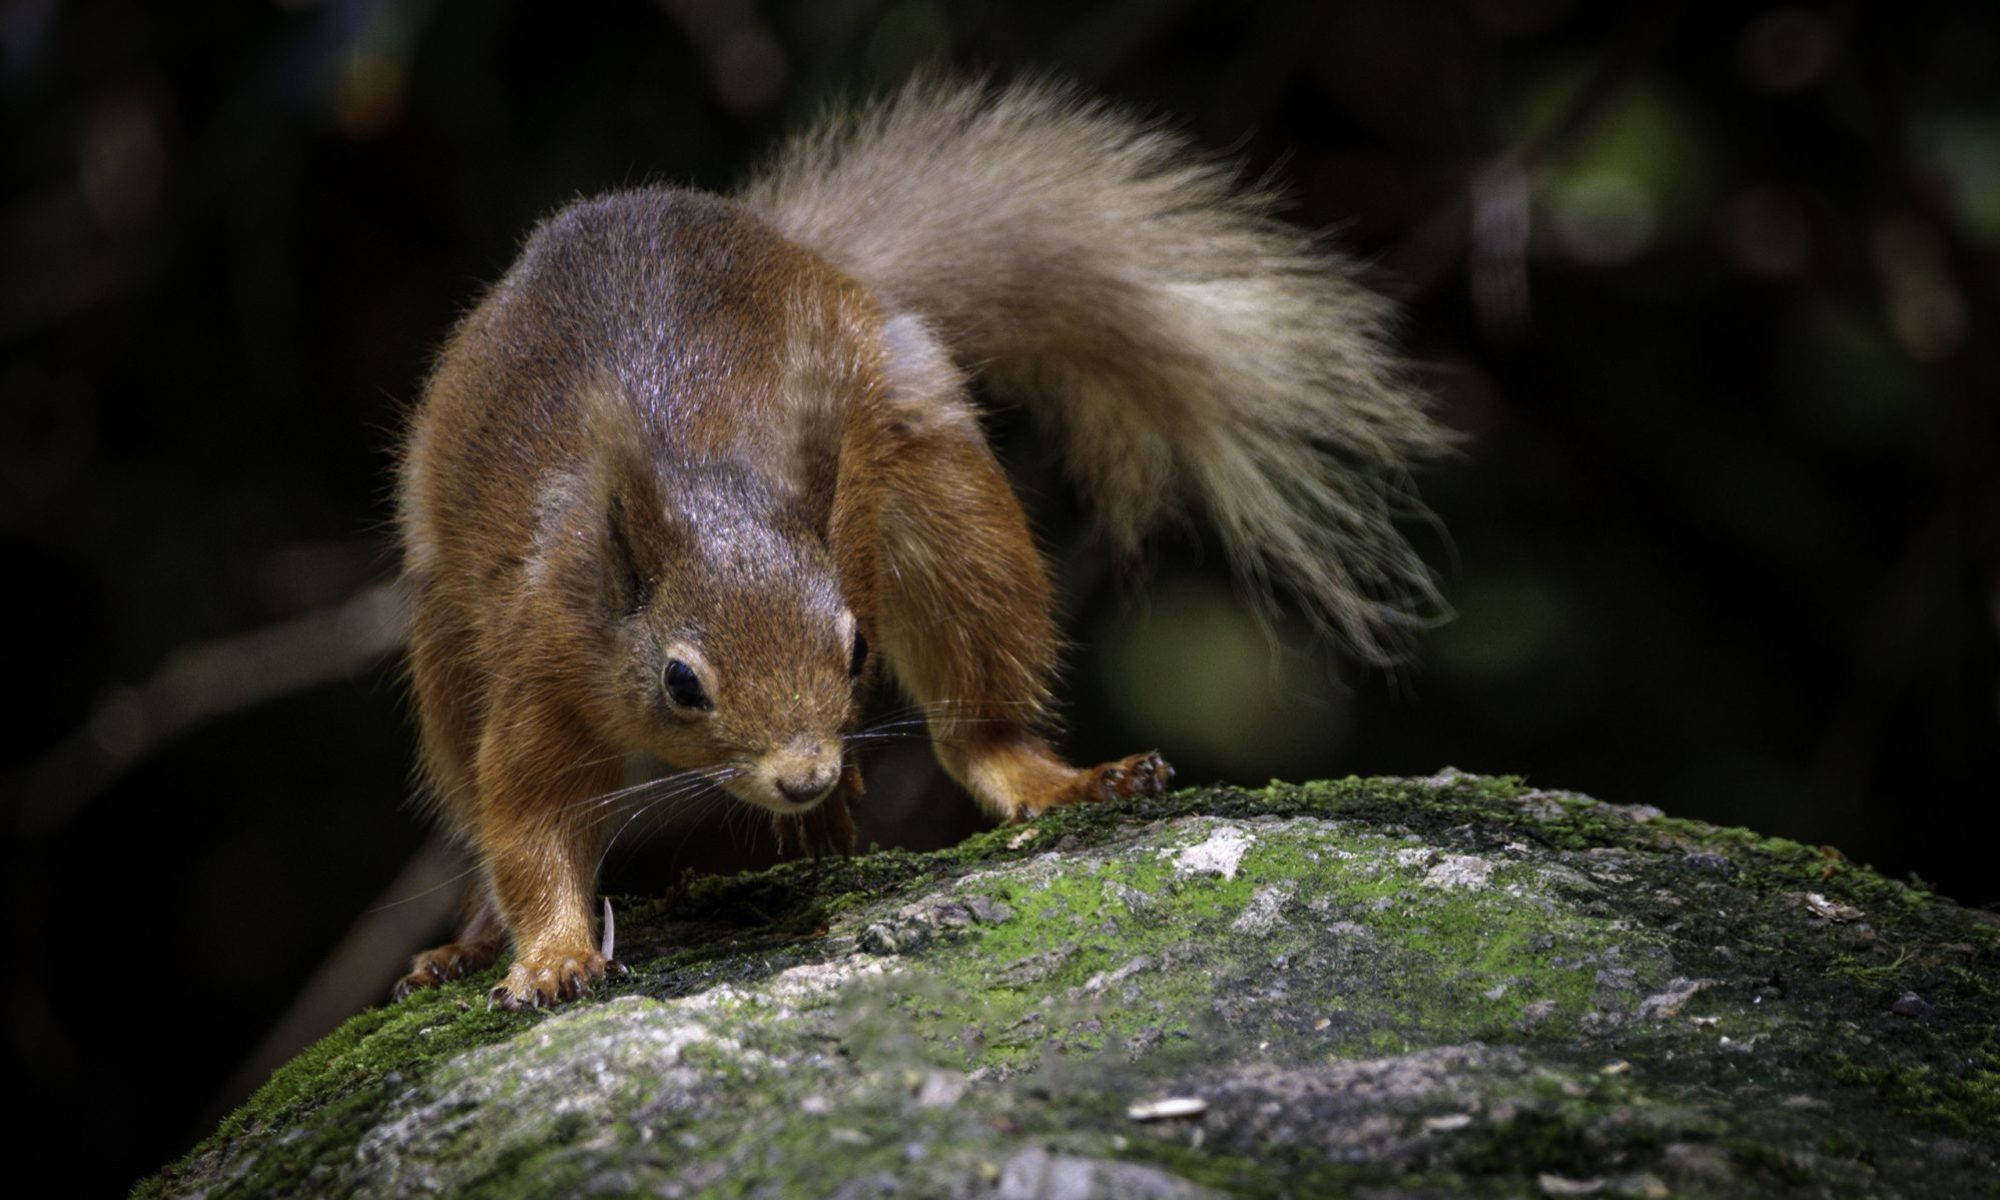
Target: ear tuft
column 624, row 495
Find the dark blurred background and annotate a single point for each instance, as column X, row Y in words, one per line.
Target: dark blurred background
column 1710, row 289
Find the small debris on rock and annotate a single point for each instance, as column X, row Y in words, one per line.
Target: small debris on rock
column 1616, row 1066
column 1447, row 1123
column 1909, row 1004
column 1026, row 835
column 1820, row 906
column 1556, row 1185
column 1167, row 1108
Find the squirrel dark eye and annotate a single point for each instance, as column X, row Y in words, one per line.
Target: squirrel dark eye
column 684, row 686
column 860, row 656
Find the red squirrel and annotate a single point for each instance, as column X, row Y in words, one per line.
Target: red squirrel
column 699, row 469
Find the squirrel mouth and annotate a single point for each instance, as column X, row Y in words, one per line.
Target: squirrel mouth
column 790, row 801
column 787, row 794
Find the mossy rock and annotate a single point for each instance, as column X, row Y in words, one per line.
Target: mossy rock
column 1438, row 986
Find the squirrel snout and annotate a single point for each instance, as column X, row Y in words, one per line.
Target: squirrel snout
column 806, row 789
column 803, row 773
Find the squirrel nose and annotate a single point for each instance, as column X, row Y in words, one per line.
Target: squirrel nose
column 808, row 784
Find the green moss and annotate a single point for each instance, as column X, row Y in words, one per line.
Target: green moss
column 1965, row 1100
column 1364, row 921
column 1441, row 964
column 343, row 1079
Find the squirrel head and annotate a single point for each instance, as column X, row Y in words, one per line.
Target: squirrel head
column 729, row 643
column 732, row 646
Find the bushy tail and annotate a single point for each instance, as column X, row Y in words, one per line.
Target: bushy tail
column 1122, row 286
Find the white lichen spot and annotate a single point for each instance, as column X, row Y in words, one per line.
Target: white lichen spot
column 1104, row 979
column 1668, row 1002
column 1558, row 1185
column 940, row 1089
column 1459, row 872
column 811, row 981
column 1219, row 854
column 1449, row 777
column 1260, row 916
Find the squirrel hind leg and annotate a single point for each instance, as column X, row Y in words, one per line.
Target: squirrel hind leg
column 477, row 947
column 966, row 614
column 1018, row 778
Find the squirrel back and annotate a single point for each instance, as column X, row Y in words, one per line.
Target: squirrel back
column 1186, row 343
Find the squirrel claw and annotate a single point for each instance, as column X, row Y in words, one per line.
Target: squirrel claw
column 544, row 980
column 1144, row 774
column 435, row 968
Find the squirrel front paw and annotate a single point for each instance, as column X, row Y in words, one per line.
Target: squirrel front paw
column 543, row 978
column 453, row 960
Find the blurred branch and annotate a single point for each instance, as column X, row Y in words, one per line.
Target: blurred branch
column 199, row 683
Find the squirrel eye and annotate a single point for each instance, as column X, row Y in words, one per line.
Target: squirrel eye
column 860, row 656
column 684, row 686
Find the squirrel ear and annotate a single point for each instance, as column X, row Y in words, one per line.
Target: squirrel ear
column 624, row 493
column 629, row 576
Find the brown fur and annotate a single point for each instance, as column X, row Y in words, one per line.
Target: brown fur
column 693, row 438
